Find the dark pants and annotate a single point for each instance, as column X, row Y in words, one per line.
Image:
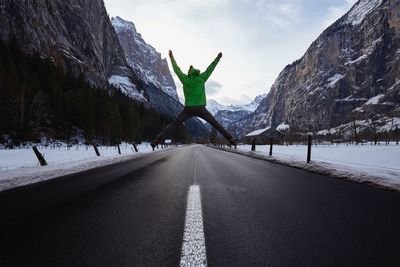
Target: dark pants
column 198, row 111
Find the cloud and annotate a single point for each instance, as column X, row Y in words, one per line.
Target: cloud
column 227, row 100
column 213, row 87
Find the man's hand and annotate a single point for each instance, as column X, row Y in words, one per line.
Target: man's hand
column 219, row 55
column 170, row 54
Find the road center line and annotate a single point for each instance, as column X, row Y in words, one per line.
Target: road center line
column 194, row 245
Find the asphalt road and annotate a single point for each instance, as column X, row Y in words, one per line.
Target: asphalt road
column 254, row 213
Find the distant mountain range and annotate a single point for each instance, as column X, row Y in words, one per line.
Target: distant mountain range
column 229, row 114
column 214, row 106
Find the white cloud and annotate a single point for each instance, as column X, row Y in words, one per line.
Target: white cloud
column 213, row 87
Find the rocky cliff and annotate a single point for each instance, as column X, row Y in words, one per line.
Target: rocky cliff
column 143, row 58
column 77, row 35
column 351, row 72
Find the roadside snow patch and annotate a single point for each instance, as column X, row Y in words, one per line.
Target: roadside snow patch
column 379, row 165
column 20, row 167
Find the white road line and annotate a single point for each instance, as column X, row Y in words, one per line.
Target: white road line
column 194, row 245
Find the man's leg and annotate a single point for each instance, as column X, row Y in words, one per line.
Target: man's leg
column 182, row 117
column 207, row 116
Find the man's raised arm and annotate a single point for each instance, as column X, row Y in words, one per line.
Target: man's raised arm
column 176, row 68
column 207, row 73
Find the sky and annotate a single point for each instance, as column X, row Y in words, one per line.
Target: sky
column 258, row 38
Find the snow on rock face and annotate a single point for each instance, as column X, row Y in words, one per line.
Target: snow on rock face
column 334, row 79
column 374, row 100
column 126, row 86
column 360, row 10
column 143, row 58
column 381, row 125
column 367, row 52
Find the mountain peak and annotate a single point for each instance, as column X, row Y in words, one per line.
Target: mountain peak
column 120, row 24
column 214, row 106
column 143, row 58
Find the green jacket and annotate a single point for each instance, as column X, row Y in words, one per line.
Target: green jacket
column 193, row 83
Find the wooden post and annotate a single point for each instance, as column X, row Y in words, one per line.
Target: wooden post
column 96, row 150
column 135, row 147
column 309, row 149
column 270, row 145
column 253, row 145
column 119, row 149
column 39, row 156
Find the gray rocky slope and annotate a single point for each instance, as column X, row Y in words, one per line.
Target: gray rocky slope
column 143, row 58
column 75, row 34
column 351, row 72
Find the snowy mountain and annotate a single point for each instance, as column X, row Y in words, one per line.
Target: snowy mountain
column 228, row 115
column 214, row 106
column 143, row 58
column 350, row 73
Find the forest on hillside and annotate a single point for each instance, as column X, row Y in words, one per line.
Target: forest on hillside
column 37, row 99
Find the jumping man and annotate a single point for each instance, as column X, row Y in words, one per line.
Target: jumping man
column 195, row 100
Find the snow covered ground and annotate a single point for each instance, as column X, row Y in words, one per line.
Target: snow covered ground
column 20, row 166
column 365, row 163
column 378, row 164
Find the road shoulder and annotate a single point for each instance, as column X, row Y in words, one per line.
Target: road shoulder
column 322, row 168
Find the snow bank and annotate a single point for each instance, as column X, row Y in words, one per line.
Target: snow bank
column 378, row 165
column 20, row 167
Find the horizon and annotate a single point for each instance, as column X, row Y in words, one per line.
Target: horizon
column 262, row 36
